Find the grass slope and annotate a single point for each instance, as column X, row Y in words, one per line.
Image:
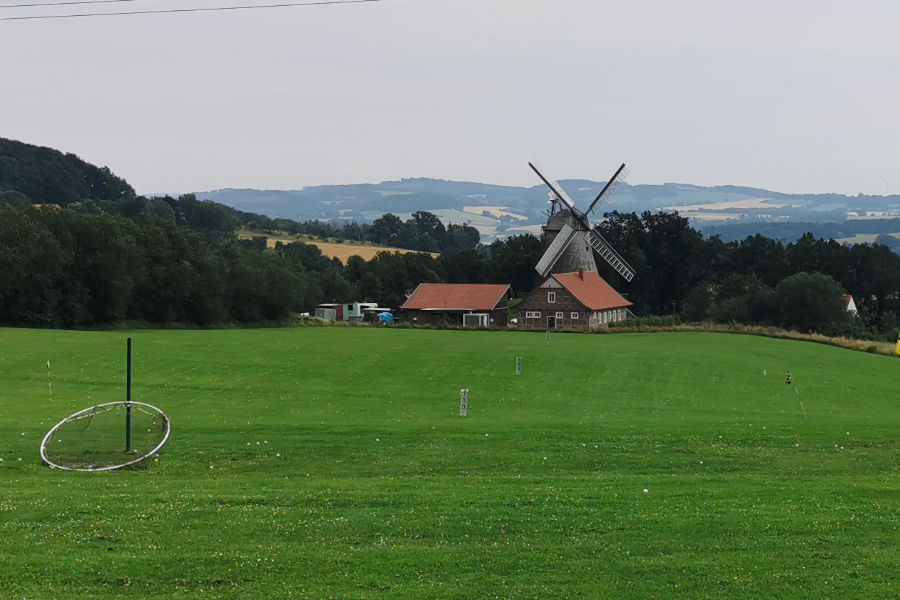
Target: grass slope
column 332, row 463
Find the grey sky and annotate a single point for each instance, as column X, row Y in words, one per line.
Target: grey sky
column 798, row 96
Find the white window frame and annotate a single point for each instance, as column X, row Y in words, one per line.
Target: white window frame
column 537, row 314
column 560, row 314
column 551, row 297
column 573, row 315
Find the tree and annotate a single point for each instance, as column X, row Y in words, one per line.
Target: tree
column 386, row 230
column 760, row 256
column 745, row 299
column 513, row 260
column 664, row 250
column 811, row 302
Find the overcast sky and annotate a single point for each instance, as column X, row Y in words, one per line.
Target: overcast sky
column 797, row 96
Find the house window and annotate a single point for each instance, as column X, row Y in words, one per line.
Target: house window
column 551, row 297
column 560, row 315
column 574, row 315
column 537, row 314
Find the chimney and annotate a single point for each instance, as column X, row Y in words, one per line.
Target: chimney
column 581, row 274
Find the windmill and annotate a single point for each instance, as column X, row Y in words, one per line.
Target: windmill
column 570, row 235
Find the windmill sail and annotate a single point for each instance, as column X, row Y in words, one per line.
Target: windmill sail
column 557, row 189
column 556, row 249
column 609, row 254
column 614, row 183
column 560, row 249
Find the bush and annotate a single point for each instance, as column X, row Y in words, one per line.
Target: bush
column 649, row 321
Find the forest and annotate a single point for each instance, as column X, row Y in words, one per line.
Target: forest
column 79, row 248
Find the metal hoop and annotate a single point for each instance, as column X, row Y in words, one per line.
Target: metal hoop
column 80, row 414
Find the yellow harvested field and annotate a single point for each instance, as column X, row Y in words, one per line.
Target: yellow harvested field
column 330, row 249
column 344, row 251
column 494, row 211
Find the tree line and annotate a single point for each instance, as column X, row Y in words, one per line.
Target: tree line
column 424, row 231
column 97, row 253
column 179, row 261
column 757, row 280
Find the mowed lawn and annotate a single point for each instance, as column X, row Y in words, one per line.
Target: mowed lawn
column 332, row 463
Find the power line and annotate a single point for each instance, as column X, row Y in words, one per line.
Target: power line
column 186, row 10
column 64, row 3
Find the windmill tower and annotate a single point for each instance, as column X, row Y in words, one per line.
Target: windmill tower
column 569, row 237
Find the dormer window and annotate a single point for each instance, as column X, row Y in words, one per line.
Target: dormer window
column 551, row 297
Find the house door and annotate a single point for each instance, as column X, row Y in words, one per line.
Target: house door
column 551, row 322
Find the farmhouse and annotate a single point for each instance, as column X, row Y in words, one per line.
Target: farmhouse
column 579, row 300
column 466, row 304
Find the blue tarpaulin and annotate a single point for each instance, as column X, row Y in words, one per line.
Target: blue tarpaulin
column 385, row 317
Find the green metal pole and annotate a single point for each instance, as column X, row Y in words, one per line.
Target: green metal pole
column 128, row 403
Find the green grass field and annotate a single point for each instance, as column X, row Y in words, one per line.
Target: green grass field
column 332, row 463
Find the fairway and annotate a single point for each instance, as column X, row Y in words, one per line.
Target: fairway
column 332, row 463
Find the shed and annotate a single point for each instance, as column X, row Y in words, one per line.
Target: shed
column 466, row 304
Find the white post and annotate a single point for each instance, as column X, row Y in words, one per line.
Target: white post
column 463, row 402
column 548, row 337
column 518, row 365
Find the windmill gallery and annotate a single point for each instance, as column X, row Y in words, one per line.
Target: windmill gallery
column 570, row 294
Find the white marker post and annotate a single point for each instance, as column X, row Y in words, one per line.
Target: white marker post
column 463, row 402
column 518, row 365
column 548, row 337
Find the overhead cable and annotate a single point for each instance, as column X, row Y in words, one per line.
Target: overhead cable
column 67, row 3
column 186, row 10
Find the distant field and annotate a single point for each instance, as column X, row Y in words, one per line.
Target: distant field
column 710, row 212
column 864, row 238
column 745, row 204
column 495, row 211
column 332, row 250
column 532, row 229
column 332, row 463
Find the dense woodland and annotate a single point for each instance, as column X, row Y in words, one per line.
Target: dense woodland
column 96, row 254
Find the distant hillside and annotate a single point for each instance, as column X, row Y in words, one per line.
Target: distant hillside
column 483, row 205
column 48, row 176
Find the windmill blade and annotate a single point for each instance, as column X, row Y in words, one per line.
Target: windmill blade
column 555, row 250
column 610, row 188
column 557, row 189
column 609, row 254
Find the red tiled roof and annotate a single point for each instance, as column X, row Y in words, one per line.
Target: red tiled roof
column 456, row 296
column 591, row 290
